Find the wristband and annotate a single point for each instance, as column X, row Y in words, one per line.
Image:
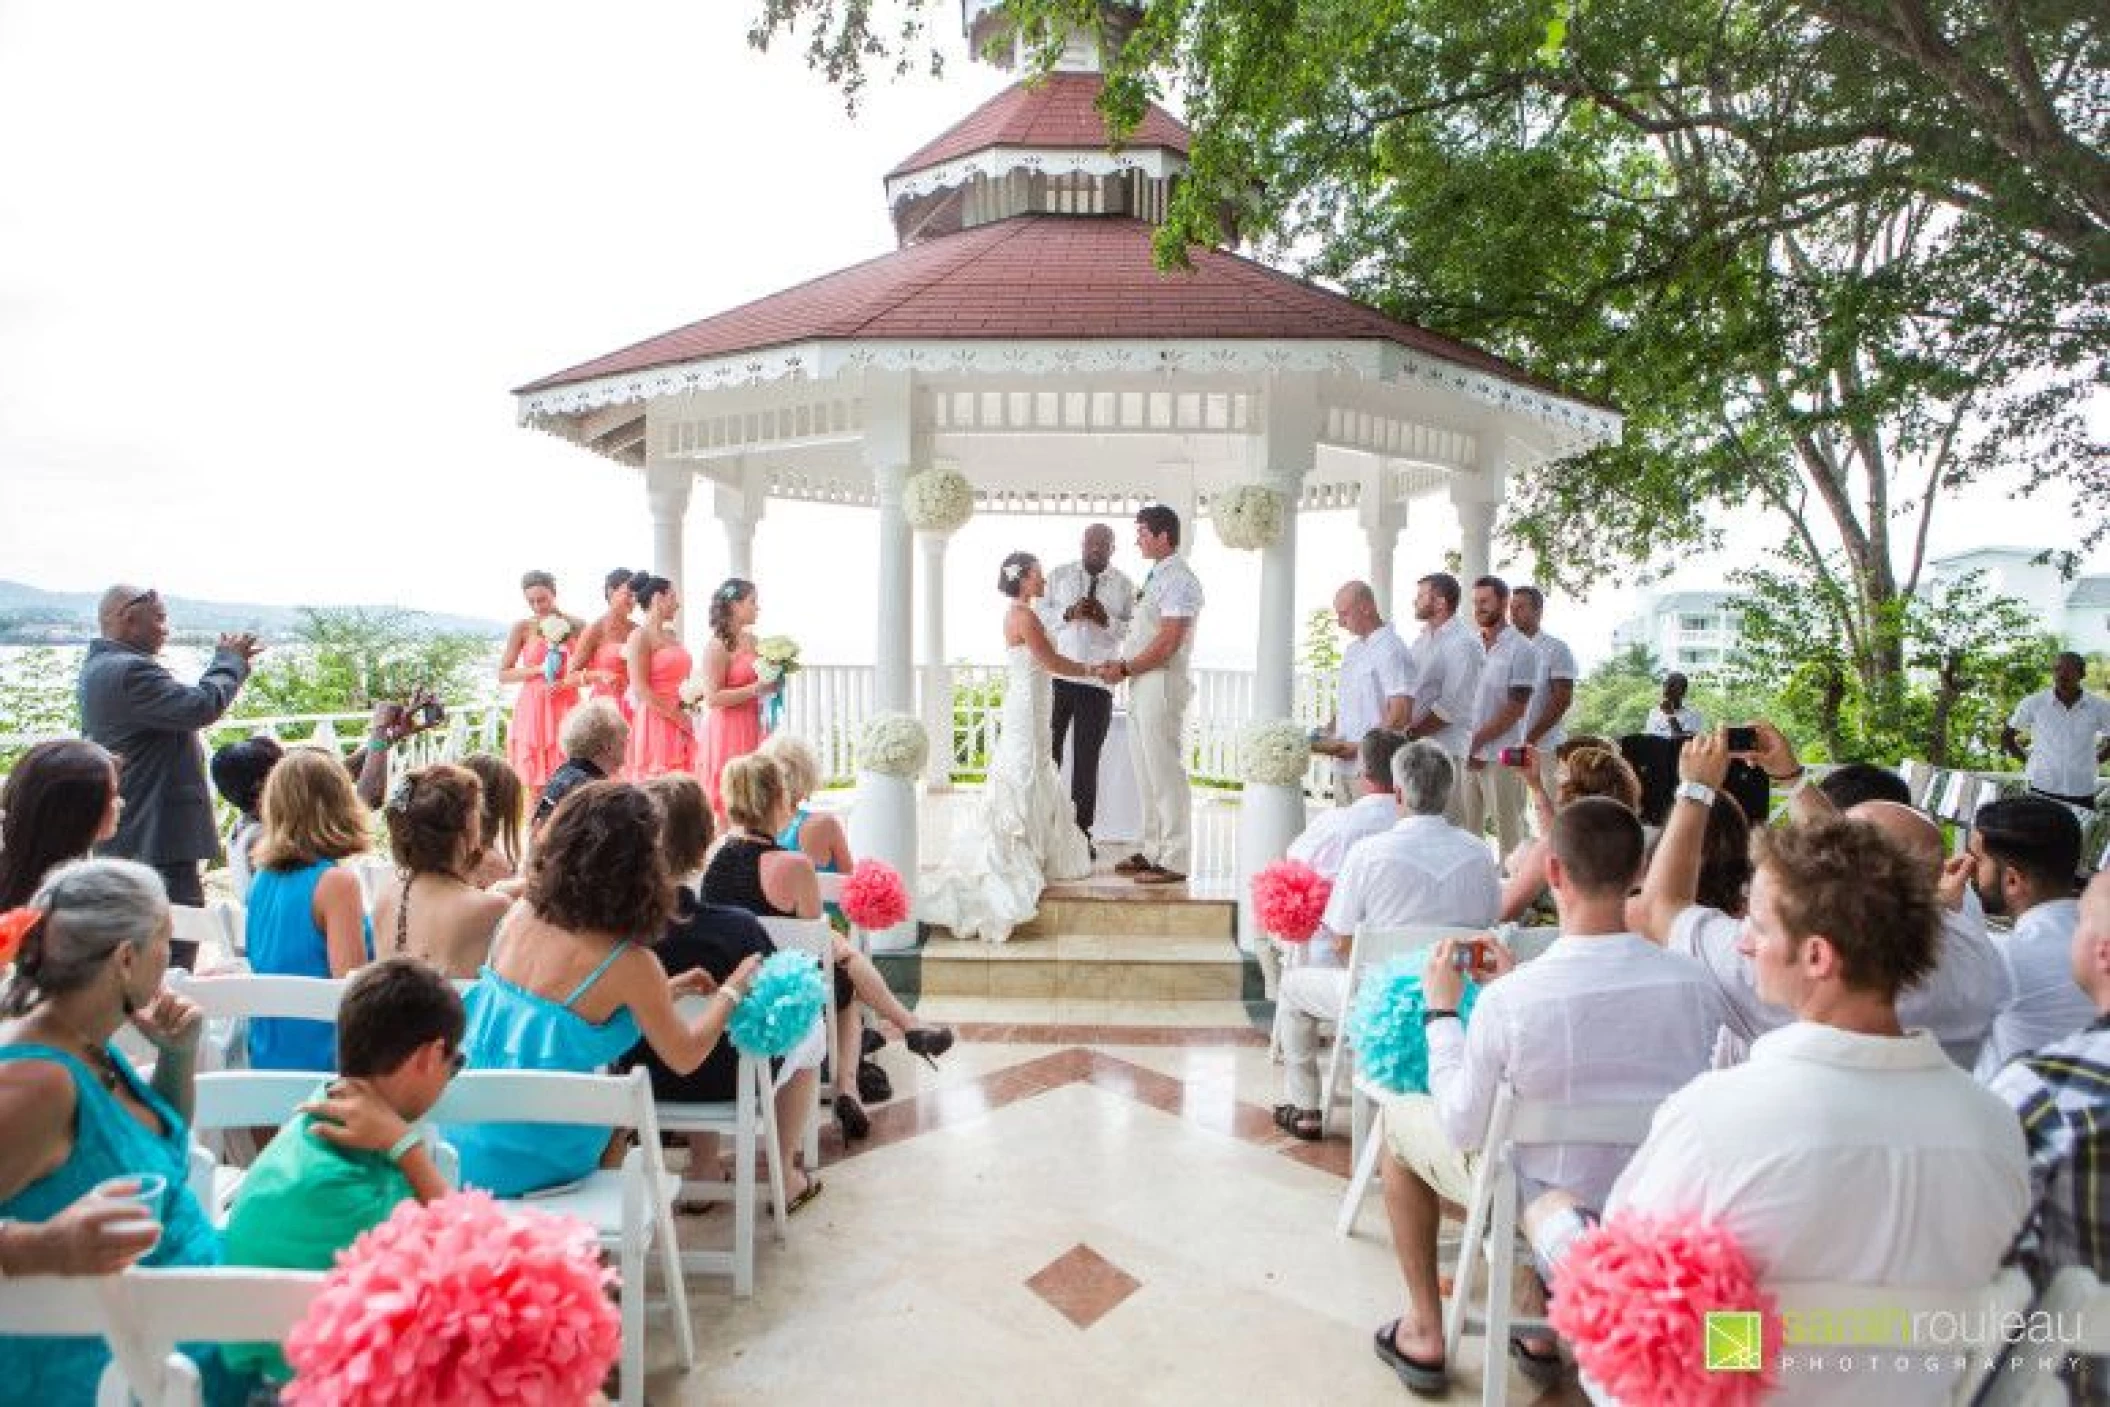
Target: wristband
column 1430, row 1018
column 400, row 1149
column 377, row 744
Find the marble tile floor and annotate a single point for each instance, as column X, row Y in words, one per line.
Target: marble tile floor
column 1076, row 1205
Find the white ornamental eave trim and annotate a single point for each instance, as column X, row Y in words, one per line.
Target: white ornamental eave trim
column 1154, row 162
column 1572, row 425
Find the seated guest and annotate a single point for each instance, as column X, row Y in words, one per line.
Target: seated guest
column 750, row 870
column 238, row 773
column 1602, row 1016
column 353, row 1155
column 572, row 982
column 1955, row 1000
column 77, row 1114
column 1851, row 783
column 1847, row 1149
column 59, row 803
column 1423, row 870
column 2024, row 851
column 594, row 737
column 716, row 938
column 1582, row 772
column 433, row 912
column 505, row 800
column 307, row 916
column 1325, row 843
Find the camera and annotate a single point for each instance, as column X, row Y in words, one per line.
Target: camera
column 1513, row 757
column 428, row 713
column 1470, row 955
column 1742, row 739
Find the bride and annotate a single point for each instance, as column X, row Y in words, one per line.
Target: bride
column 1023, row 832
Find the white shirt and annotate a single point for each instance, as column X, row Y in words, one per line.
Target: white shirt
column 1447, row 661
column 1509, row 663
column 2062, row 740
column 1086, row 641
column 1832, row 1156
column 1556, row 661
column 1170, row 591
column 1955, row 1002
column 1422, row 870
column 1325, row 843
column 2045, row 1004
column 1592, row 1020
column 1690, row 724
column 1374, row 670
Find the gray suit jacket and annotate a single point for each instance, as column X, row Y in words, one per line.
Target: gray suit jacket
column 136, row 709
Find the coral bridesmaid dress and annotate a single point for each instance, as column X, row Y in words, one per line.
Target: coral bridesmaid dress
column 609, row 656
column 531, row 743
column 730, row 732
column 657, row 744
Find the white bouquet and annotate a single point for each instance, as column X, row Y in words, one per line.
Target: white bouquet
column 555, row 628
column 692, row 692
column 938, row 500
column 1248, row 517
column 893, row 745
column 1274, row 753
column 775, row 657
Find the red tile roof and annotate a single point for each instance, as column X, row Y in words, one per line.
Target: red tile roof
column 1039, row 277
column 1057, row 113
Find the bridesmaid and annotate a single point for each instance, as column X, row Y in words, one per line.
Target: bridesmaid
column 531, row 743
column 732, row 690
column 598, row 665
column 662, row 739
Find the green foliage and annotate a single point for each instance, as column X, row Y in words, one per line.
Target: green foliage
column 36, row 698
column 1322, row 642
column 1614, row 698
column 355, row 658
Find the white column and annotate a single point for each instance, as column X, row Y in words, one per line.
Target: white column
column 667, row 495
column 1476, row 495
column 883, row 822
column 1381, row 518
column 1384, row 544
column 738, row 514
column 937, row 674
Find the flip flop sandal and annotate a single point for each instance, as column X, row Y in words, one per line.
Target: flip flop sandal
column 1298, row 1123
column 1422, row 1379
column 1541, row 1370
column 814, row 1187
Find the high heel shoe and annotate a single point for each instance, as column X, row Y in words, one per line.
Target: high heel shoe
column 856, row 1124
column 929, row 1042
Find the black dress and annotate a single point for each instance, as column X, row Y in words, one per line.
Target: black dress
column 734, row 877
column 716, row 938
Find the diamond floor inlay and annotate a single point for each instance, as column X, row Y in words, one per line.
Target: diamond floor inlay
column 1082, row 1285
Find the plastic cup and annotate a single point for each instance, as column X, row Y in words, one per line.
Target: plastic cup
column 148, row 1191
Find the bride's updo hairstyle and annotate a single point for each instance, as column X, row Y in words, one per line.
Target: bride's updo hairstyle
column 730, row 593
column 1011, row 577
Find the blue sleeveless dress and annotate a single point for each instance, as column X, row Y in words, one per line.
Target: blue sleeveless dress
column 285, row 942
column 511, row 1028
column 108, row 1142
column 788, row 839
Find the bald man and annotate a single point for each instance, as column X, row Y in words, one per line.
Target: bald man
column 134, row 707
column 1376, row 688
column 1085, row 609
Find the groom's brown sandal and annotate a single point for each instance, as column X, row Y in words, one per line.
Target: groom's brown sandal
column 1156, row 875
column 1134, row 864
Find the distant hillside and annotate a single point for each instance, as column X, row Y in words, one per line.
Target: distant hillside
column 31, row 616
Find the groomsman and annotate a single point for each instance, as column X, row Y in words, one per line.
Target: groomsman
column 1508, row 675
column 1086, row 608
column 1447, row 659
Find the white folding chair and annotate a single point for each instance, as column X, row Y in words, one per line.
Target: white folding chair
column 747, row 1119
column 813, row 935
column 375, row 874
column 1372, row 946
column 1491, row 1218
column 631, row 1208
column 238, row 1099
column 2074, row 1298
column 253, row 994
column 143, row 1314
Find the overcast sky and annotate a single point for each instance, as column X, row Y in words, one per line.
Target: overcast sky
column 268, row 270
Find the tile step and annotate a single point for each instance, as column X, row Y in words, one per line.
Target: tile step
column 1170, row 918
column 1086, row 966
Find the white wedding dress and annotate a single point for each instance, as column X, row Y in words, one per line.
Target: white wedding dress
column 1022, row 831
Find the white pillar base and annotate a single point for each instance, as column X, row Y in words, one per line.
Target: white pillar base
column 883, row 827
column 1269, row 818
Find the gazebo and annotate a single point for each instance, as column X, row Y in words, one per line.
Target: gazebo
column 1021, row 335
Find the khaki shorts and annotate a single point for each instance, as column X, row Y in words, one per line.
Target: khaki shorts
column 1415, row 1138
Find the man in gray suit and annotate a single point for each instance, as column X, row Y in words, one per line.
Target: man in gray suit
column 136, row 708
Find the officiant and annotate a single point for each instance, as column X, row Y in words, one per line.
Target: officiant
column 1086, row 609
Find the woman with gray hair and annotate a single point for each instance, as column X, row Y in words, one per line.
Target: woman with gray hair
column 93, row 1170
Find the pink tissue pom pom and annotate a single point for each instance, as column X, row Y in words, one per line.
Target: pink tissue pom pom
column 874, row 896
column 1632, row 1298
column 1290, row 897
column 457, row 1301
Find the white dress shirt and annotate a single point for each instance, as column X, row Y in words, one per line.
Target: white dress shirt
column 2045, row 1004
column 1955, row 1002
column 2062, row 740
column 1509, row 663
column 1556, row 661
column 1592, row 1020
column 1447, row 664
column 1086, row 641
column 1832, row 1156
column 1689, row 723
column 1325, row 843
column 1420, row 870
column 1375, row 670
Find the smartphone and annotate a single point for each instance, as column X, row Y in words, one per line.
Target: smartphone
column 1470, row 955
column 1512, row 757
column 1742, row 739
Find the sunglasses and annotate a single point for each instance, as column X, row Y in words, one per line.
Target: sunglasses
column 457, row 1061
column 141, row 599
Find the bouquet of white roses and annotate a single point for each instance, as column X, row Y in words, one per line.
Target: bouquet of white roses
column 937, row 500
column 1274, row 753
column 775, row 657
column 693, row 692
column 555, row 629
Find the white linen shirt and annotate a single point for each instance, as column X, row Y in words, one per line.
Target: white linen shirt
column 1591, row 1020
column 2062, row 740
column 1325, row 843
column 1374, row 670
column 1423, row 870
column 2045, row 1004
column 1832, row 1156
column 1511, row 662
column 1447, row 662
column 1085, row 641
column 1556, row 661
column 1690, row 723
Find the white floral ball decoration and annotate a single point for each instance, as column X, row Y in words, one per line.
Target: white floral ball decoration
column 1274, row 753
column 893, row 745
column 938, row 500
column 1248, row 517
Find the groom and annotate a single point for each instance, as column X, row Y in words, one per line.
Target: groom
column 1154, row 661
